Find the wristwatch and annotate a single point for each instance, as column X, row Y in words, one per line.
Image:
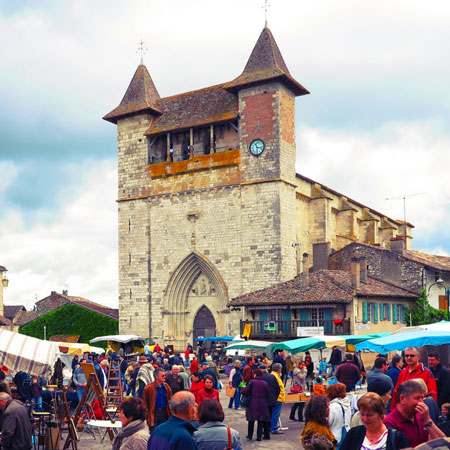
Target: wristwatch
column 428, row 424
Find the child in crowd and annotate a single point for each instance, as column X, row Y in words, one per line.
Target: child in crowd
column 323, row 367
column 319, row 388
column 36, row 393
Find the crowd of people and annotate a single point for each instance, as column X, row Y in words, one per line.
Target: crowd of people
column 173, row 402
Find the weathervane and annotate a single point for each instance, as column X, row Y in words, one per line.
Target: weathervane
column 266, row 9
column 142, row 49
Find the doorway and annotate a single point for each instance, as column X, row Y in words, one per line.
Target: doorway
column 204, row 324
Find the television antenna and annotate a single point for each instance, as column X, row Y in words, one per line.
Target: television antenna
column 404, row 197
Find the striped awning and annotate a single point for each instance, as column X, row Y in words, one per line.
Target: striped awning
column 28, row 354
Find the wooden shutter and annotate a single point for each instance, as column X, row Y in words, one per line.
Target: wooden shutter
column 395, row 313
column 365, row 306
column 375, row 313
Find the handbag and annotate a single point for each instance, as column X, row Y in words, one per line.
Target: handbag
column 245, row 400
column 230, row 391
column 343, row 429
column 296, row 389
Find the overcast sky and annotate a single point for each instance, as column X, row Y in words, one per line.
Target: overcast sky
column 375, row 126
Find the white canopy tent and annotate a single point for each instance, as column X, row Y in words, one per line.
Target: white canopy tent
column 122, row 338
column 28, row 354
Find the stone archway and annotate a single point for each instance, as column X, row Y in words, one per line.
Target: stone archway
column 194, row 283
column 204, row 324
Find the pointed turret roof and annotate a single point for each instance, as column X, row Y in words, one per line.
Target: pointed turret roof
column 266, row 63
column 140, row 97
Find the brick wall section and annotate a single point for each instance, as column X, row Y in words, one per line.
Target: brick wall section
column 382, row 264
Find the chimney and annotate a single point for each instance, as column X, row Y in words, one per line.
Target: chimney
column 355, row 270
column 305, row 270
column 321, row 253
column 65, row 292
column 52, row 292
column 363, row 270
column 398, row 245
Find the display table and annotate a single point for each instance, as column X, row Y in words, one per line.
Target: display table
column 104, row 425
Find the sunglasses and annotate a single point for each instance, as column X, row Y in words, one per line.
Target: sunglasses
column 410, row 356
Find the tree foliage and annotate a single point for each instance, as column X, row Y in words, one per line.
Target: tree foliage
column 423, row 313
column 70, row 320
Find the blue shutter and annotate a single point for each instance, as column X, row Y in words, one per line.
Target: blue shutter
column 395, row 313
column 389, row 306
column 262, row 321
column 381, row 311
column 304, row 317
column 365, row 306
column 286, row 321
column 328, row 318
column 375, row 313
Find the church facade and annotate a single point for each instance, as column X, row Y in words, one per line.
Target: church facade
column 210, row 204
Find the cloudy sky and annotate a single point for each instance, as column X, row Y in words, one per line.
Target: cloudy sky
column 375, row 126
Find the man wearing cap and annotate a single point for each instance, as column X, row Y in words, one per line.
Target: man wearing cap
column 348, row 373
column 144, row 376
column 415, row 369
column 156, row 397
column 381, row 387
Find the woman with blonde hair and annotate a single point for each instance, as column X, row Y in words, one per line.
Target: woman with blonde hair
column 374, row 434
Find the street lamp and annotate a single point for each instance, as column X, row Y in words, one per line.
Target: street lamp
column 440, row 283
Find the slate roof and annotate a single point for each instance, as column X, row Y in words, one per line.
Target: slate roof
column 140, row 97
column 266, row 64
column 201, row 107
column 438, row 262
column 10, row 311
column 325, row 286
column 25, row 317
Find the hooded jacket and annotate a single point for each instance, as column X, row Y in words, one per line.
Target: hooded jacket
column 336, row 417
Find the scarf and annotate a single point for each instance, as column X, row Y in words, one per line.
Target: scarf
column 131, row 428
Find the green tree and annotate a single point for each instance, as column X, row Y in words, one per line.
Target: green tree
column 422, row 312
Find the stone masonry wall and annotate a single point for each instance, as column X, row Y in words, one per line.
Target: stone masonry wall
column 383, row 264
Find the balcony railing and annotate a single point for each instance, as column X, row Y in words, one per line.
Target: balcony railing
column 288, row 328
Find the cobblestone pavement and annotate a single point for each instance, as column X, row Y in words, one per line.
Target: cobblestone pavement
column 235, row 419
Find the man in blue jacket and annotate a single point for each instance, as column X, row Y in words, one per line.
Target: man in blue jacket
column 176, row 433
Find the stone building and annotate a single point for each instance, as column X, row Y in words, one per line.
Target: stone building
column 409, row 269
column 210, row 204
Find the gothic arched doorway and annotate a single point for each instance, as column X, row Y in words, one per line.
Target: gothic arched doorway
column 204, row 324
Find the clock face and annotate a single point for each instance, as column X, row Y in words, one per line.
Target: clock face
column 257, row 147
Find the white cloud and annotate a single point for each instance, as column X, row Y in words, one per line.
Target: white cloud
column 78, row 249
column 397, row 160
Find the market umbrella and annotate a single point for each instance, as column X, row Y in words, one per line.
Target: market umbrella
column 261, row 345
column 405, row 340
column 303, row 344
column 439, row 326
column 353, row 339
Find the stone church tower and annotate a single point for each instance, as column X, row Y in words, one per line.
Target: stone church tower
column 210, row 204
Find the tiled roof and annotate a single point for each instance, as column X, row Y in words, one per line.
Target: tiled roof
column 25, row 317
column 202, row 107
column 141, row 96
column 10, row 311
column 110, row 312
column 266, row 63
column 435, row 261
column 325, row 286
column 4, row 321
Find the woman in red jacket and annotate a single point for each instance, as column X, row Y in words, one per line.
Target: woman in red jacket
column 208, row 391
column 197, row 386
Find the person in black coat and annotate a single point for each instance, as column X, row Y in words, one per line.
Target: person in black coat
column 274, row 392
column 442, row 377
column 280, row 358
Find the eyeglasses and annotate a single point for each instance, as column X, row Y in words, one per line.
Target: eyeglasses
column 410, row 356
